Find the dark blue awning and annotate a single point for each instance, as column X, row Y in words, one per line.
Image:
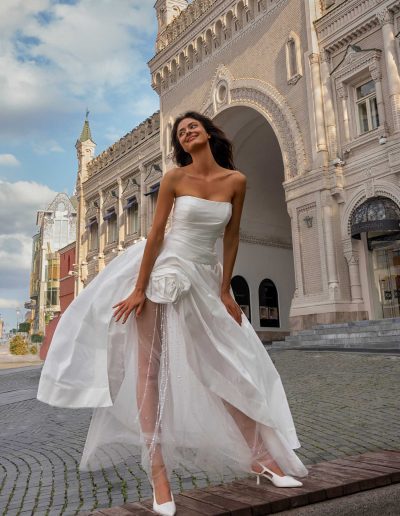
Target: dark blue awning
column 109, row 215
column 153, row 189
column 131, row 202
column 90, row 223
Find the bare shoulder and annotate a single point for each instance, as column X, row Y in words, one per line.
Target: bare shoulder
column 239, row 181
column 172, row 177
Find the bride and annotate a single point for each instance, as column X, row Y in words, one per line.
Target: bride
column 158, row 346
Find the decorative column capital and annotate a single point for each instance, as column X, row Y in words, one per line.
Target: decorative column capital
column 376, row 73
column 384, row 17
column 342, row 91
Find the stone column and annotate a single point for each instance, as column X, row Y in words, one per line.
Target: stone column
column 318, row 102
column 352, row 259
column 377, row 78
column 120, row 218
column 102, row 234
column 328, row 105
column 143, row 202
column 333, row 282
column 342, row 92
column 385, row 18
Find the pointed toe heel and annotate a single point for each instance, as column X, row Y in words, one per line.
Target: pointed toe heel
column 275, row 479
column 164, row 509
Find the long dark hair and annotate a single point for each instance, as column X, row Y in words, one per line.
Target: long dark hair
column 221, row 147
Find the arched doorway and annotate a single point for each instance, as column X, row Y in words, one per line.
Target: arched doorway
column 241, row 292
column 265, row 249
column 377, row 223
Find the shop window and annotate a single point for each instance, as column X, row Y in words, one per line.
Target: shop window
column 268, row 304
column 242, row 294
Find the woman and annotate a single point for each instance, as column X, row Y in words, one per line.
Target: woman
column 186, row 378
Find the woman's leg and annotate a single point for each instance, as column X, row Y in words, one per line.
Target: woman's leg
column 250, row 431
column 147, row 393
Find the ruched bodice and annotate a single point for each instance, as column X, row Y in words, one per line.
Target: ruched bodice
column 196, row 225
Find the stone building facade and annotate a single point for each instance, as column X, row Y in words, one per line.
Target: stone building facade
column 309, row 93
column 117, row 192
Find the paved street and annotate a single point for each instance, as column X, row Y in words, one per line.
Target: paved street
column 342, row 403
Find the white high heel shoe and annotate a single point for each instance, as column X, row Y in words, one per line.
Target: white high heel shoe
column 165, row 509
column 277, row 480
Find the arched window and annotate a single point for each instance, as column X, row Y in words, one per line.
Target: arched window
column 268, row 302
column 294, row 69
column 242, row 294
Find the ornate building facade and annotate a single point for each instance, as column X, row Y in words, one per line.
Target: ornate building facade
column 309, row 93
column 57, row 228
column 117, row 193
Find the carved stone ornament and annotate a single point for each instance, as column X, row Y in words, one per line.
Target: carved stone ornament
column 385, row 16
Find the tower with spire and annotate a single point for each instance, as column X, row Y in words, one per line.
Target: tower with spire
column 167, row 11
column 85, row 147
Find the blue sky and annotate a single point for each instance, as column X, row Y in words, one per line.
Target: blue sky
column 57, row 58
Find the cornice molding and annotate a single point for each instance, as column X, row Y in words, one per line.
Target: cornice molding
column 349, row 20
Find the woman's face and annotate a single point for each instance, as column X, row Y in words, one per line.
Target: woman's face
column 191, row 134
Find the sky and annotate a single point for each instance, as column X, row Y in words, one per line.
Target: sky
column 57, row 59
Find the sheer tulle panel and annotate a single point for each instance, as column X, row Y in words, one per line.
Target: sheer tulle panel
column 152, row 389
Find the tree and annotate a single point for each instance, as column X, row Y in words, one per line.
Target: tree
column 24, row 327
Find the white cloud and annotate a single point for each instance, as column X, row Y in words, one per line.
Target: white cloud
column 47, row 147
column 9, row 303
column 55, row 57
column 8, row 160
column 15, row 252
column 19, row 203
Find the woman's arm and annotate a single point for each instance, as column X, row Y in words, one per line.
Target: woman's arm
column 230, row 246
column 155, row 238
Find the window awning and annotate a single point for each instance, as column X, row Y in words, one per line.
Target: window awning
column 110, row 214
column 378, row 214
column 131, row 203
column 91, row 222
column 153, row 189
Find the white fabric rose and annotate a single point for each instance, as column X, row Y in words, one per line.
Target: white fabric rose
column 166, row 285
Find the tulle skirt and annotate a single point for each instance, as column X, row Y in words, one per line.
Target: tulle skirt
column 183, row 385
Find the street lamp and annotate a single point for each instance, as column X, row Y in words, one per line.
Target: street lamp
column 18, row 314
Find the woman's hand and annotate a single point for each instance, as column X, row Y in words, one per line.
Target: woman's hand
column 133, row 302
column 232, row 307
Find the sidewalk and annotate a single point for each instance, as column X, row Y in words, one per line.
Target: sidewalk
column 343, row 404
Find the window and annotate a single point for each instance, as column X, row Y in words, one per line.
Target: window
column 52, row 296
column 93, row 235
column 111, row 219
column 132, row 216
column 292, row 57
column 367, row 107
column 294, row 69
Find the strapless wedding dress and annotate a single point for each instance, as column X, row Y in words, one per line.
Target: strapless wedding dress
column 185, row 382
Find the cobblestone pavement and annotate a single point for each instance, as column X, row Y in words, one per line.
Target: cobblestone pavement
column 342, row 404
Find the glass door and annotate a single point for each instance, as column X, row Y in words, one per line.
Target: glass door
column 386, row 263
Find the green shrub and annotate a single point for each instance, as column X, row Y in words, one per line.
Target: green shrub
column 24, row 327
column 36, row 337
column 18, row 346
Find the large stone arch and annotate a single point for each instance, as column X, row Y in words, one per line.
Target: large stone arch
column 226, row 92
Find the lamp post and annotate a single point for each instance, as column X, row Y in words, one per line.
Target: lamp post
column 18, row 311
